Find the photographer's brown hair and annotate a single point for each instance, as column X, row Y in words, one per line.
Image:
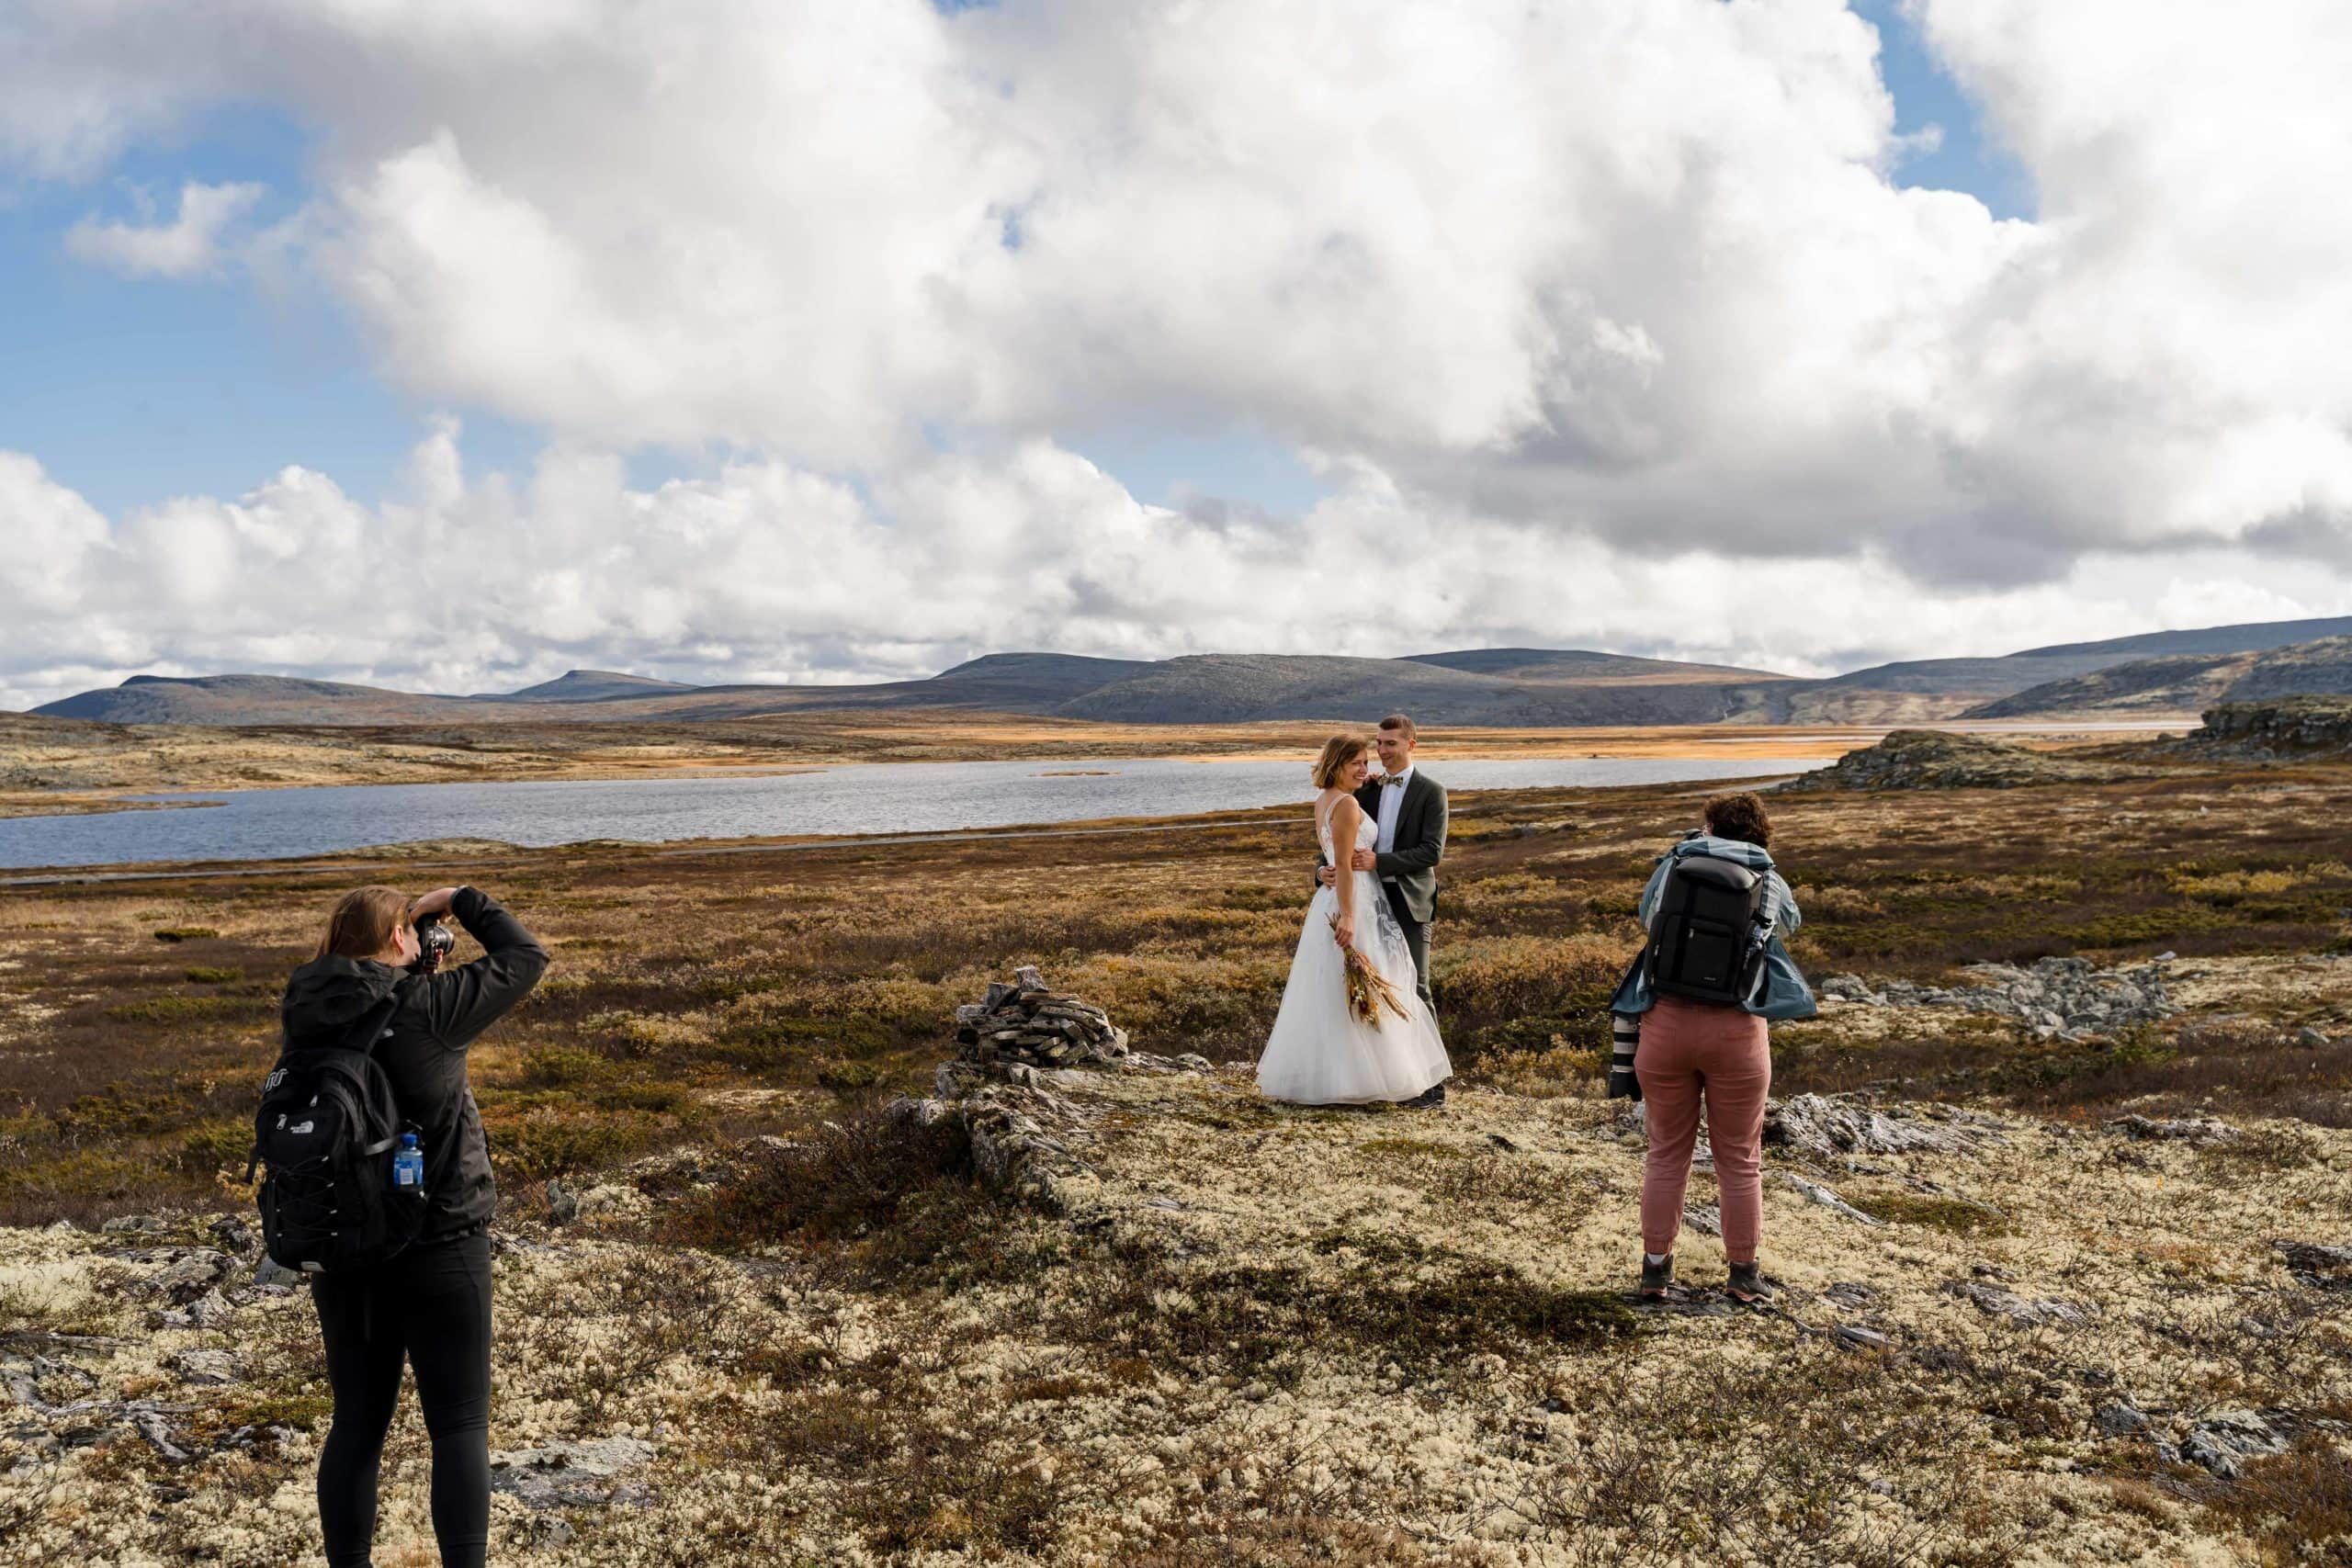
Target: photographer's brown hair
column 1739, row 817
column 1338, row 752
column 363, row 923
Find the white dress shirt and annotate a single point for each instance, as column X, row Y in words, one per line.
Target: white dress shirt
column 1392, row 806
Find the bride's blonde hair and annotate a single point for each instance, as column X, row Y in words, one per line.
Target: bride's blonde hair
column 1338, row 752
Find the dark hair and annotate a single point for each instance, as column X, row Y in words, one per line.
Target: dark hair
column 363, row 923
column 1398, row 722
column 1338, row 752
column 1739, row 817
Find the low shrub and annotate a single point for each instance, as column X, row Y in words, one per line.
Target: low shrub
column 217, row 1146
column 1956, row 1216
column 848, row 1179
column 187, row 1010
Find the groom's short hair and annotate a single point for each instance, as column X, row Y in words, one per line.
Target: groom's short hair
column 1400, row 723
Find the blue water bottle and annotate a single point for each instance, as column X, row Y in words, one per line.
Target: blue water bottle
column 408, row 1165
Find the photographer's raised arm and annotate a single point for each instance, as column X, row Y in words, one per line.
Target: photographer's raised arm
column 463, row 1002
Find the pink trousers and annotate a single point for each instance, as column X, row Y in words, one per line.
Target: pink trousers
column 1692, row 1052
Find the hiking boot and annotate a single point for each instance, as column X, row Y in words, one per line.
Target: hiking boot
column 1429, row 1098
column 1656, row 1277
column 1746, row 1285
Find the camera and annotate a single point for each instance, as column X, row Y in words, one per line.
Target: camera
column 435, row 941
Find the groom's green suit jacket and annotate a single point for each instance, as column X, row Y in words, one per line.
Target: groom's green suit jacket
column 1419, row 845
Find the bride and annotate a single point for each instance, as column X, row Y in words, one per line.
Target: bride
column 1321, row 1053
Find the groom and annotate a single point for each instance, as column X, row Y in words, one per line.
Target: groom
column 1410, row 806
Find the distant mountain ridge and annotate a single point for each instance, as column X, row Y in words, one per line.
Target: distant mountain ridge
column 1468, row 687
column 2187, row 683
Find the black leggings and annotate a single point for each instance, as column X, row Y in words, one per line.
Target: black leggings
column 430, row 1306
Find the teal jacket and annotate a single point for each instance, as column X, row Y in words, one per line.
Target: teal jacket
column 1780, row 991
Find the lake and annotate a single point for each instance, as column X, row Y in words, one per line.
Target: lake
column 891, row 797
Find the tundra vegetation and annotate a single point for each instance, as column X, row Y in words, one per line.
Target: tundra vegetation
column 798, row 1326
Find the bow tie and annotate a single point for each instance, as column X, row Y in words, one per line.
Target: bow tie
column 1392, row 781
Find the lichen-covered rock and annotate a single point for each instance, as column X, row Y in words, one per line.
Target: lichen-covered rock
column 2320, row 1268
column 2185, row 1129
column 204, row 1368
column 2225, row 1439
column 572, row 1474
column 2122, row 1419
column 1825, row 1128
column 2027, row 1312
column 2068, row 999
column 1817, row 1193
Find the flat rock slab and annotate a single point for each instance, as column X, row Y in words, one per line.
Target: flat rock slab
column 2186, row 1129
column 2320, row 1268
column 2018, row 1309
column 572, row 1474
column 1817, row 1193
column 204, row 1367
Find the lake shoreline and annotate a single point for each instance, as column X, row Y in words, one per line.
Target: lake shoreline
column 426, row 853
column 66, row 767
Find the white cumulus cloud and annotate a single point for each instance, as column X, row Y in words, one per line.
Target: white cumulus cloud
column 1564, row 296
column 187, row 246
column 765, row 571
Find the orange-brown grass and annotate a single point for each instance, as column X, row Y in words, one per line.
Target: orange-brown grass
column 696, row 994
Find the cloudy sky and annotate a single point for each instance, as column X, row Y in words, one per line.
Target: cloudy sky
column 451, row 344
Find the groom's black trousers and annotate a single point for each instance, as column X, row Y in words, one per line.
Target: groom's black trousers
column 1417, row 937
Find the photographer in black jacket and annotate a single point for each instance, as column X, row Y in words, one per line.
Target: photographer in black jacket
column 429, row 1306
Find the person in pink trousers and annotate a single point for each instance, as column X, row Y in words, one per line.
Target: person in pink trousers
column 1714, row 970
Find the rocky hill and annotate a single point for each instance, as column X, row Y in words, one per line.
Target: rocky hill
column 1932, row 759
column 2294, row 728
column 2188, row 682
column 1570, row 666
column 262, row 699
column 1472, row 687
column 1238, row 688
column 590, row 686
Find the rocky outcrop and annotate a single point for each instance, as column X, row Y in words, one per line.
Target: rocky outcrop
column 1829, row 1129
column 2285, row 729
column 1933, row 759
column 2063, row 999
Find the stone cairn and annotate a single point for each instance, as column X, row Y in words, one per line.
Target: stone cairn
column 1030, row 1022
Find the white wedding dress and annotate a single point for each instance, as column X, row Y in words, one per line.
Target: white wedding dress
column 1319, row 1053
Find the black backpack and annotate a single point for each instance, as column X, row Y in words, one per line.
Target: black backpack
column 326, row 1132
column 1707, row 937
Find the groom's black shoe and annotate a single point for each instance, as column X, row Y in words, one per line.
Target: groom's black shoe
column 1429, row 1098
